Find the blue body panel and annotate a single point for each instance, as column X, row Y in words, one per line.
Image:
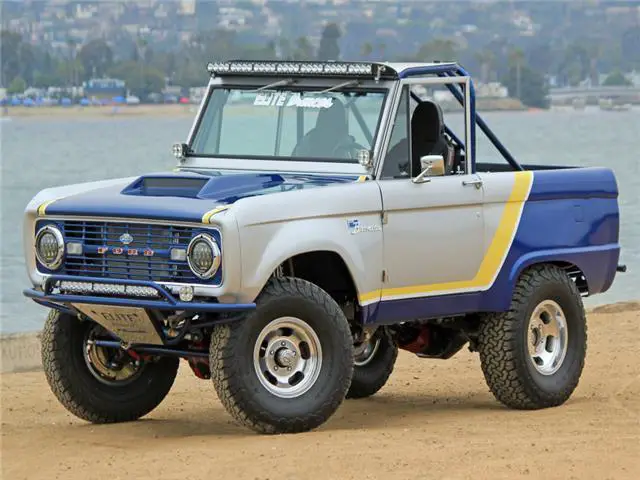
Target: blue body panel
column 571, row 217
column 181, row 196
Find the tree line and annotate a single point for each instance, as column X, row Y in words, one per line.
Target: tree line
column 146, row 70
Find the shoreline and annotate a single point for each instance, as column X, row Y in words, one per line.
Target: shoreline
column 189, row 110
column 104, row 112
column 484, row 105
column 20, row 351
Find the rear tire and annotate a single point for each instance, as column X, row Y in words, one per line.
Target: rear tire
column 372, row 370
column 287, row 366
column 80, row 388
column 533, row 355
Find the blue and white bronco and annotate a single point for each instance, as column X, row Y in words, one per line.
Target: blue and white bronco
column 321, row 216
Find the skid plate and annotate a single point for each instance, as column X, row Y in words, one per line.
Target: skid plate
column 130, row 324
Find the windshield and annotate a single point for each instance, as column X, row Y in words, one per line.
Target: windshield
column 289, row 124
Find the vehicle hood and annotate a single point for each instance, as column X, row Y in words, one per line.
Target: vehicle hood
column 180, row 196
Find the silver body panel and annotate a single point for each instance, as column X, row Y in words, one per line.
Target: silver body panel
column 279, row 226
column 444, row 237
column 434, row 232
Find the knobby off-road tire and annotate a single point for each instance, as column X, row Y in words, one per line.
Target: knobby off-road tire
column 371, row 372
column 505, row 338
column 81, row 393
column 241, row 362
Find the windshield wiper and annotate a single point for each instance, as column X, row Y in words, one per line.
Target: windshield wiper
column 279, row 83
column 350, row 83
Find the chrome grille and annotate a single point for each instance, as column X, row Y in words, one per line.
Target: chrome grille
column 146, row 257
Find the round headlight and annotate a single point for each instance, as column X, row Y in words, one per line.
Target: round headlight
column 203, row 256
column 49, row 247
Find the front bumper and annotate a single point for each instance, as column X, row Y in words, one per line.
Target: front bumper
column 167, row 301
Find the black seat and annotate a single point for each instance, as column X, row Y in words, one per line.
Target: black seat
column 428, row 136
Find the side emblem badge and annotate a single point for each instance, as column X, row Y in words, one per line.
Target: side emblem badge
column 126, row 239
column 355, row 227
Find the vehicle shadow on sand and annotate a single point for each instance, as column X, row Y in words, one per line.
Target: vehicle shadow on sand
column 383, row 410
column 391, row 409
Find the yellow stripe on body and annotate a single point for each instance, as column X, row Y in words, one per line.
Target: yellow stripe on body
column 362, row 178
column 493, row 258
column 42, row 209
column 206, row 218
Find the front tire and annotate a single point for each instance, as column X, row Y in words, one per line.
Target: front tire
column 374, row 362
column 86, row 381
column 287, row 366
column 533, row 355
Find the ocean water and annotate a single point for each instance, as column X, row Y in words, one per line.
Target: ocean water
column 37, row 153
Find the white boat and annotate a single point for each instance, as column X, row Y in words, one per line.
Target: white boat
column 610, row 105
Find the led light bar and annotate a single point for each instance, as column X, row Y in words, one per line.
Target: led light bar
column 107, row 289
column 334, row 69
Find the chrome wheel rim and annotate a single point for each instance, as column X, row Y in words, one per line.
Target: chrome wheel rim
column 366, row 351
column 547, row 337
column 287, row 357
column 110, row 366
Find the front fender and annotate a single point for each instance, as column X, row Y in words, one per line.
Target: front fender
column 313, row 220
column 362, row 263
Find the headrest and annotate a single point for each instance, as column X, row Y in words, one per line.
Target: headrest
column 427, row 121
column 332, row 118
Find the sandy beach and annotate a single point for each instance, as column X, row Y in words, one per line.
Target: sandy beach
column 80, row 112
column 434, row 419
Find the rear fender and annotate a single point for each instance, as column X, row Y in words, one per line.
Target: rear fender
column 571, row 217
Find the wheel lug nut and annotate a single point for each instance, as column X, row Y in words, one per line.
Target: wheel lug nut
column 275, row 367
column 282, row 343
column 271, row 353
column 288, row 369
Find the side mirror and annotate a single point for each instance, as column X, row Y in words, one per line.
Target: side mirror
column 432, row 166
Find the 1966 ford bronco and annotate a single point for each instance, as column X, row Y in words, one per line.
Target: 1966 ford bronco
column 322, row 215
